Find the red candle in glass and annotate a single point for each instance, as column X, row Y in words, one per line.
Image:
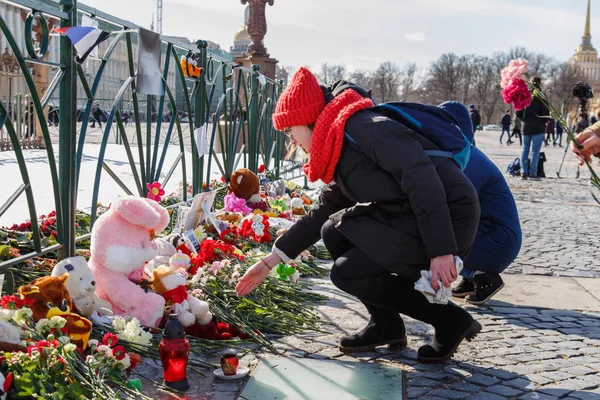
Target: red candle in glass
column 174, row 350
column 229, row 364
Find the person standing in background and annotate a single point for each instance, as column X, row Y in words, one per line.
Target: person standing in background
column 549, row 131
column 534, row 124
column 475, row 119
column 505, row 123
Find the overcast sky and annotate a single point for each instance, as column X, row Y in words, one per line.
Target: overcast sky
column 363, row 33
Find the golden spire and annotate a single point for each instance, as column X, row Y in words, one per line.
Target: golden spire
column 587, row 32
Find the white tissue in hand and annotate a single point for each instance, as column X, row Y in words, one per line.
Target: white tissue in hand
column 443, row 295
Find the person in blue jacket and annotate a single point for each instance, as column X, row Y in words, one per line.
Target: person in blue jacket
column 498, row 239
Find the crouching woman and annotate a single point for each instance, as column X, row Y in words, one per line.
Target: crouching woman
column 388, row 212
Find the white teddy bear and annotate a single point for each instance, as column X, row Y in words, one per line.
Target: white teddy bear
column 172, row 286
column 81, row 286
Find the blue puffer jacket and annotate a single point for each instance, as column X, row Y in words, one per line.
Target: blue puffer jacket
column 498, row 207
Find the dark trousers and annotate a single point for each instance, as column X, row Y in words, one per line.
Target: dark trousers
column 516, row 133
column 380, row 289
column 507, row 130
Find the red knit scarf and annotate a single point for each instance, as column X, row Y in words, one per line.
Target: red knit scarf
column 328, row 135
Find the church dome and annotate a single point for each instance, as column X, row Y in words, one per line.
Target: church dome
column 242, row 34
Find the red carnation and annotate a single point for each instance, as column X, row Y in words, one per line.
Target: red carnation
column 110, row 339
column 119, row 352
column 261, row 169
column 518, row 94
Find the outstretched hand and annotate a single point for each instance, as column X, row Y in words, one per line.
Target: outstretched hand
column 256, row 274
column 443, row 267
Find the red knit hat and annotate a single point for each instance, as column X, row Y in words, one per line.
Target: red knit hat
column 301, row 102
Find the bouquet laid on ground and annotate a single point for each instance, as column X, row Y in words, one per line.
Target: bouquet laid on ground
column 51, row 366
column 518, row 90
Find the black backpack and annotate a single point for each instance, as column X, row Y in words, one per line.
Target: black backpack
column 514, row 168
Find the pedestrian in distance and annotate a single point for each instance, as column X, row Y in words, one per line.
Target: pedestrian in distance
column 549, row 131
column 559, row 133
column 534, row 125
column 516, row 131
column 96, row 113
column 498, row 239
column 475, row 118
column 505, row 123
column 388, row 212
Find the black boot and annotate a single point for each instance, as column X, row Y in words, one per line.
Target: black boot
column 464, row 288
column 454, row 325
column 394, row 293
column 384, row 328
column 485, row 286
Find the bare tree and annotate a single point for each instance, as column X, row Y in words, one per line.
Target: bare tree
column 448, row 79
column 408, row 81
column 362, row 78
column 386, row 81
column 329, row 73
column 485, row 83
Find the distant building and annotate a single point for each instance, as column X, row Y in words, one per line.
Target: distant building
column 586, row 60
column 242, row 38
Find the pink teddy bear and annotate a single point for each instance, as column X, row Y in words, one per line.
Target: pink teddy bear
column 121, row 245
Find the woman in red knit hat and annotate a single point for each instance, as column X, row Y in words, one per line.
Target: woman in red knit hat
column 388, row 211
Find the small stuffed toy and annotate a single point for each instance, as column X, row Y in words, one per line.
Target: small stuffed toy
column 180, row 262
column 165, row 249
column 245, row 185
column 81, row 286
column 230, row 217
column 189, row 65
column 172, row 286
column 121, row 245
column 49, row 297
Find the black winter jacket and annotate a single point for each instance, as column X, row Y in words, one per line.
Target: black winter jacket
column 418, row 207
column 532, row 118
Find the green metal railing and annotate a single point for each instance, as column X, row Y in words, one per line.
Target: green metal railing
column 240, row 128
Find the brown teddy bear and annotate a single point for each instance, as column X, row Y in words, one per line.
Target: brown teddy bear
column 244, row 184
column 50, row 297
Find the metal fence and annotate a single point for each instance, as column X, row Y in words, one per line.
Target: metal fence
column 240, row 129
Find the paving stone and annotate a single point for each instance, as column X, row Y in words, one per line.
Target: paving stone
column 579, row 370
column 441, row 376
column 503, row 390
column 424, row 382
column 538, row 379
column 537, row 396
column 521, row 383
column 487, row 396
column 414, row 392
column 449, row 394
column 557, row 375
column 501, row 374
column 588, row 395
column 483, row 380
column 465, row 387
